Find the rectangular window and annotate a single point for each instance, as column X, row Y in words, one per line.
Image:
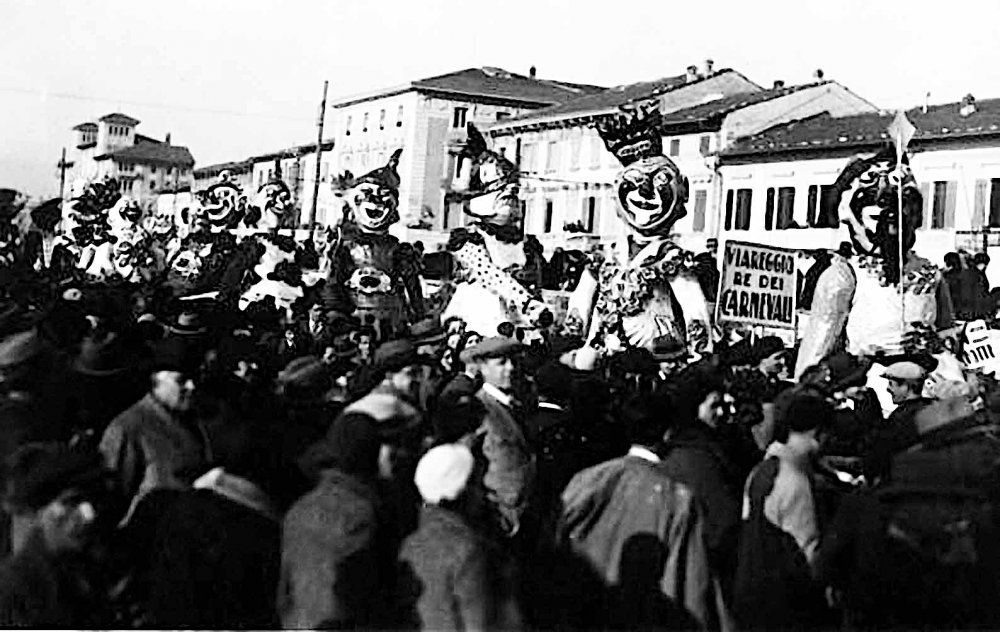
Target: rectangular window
column 574, row 151
column 458, row 119
column 528, row 157
column 399, row 116
column 813, row 199
column 786, row 208
column 744, row 198
column 675, row 147
column 829, row 211
column 152, row 169
column 700, row 207
column 552, row 157
column 705, row 145
column 995, row 203
column 597, row 150
column 324, row 171
column 729, row 209
column 364, row 124
column 381, row 119
column 943, row 211
column 347, row 126
column 547, row 228
column 503, row 116
column 769, row 209
column 590, row 213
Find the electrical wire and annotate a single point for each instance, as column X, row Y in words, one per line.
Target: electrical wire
column 163, row 106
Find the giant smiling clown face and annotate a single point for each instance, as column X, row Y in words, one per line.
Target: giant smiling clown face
column 651, row 195
column 374, row 205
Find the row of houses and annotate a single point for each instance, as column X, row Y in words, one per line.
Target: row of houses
column 758, row 159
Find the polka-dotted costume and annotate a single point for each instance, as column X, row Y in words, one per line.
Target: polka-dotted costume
column 475, row 266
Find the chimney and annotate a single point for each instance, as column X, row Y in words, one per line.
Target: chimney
column 819, row 74
column 927, row 101
column 779, row 84
column 692, row 74
column 532, row 72
column 968, row 106
column 167, row 140
column 706, row 69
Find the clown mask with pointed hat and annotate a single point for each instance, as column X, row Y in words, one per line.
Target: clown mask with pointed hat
column 652, row 192
column 374, row 198
column 491, row 187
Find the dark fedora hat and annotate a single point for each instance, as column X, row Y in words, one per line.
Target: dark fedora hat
column 187, row 324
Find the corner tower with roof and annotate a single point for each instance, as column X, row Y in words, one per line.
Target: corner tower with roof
column 145, row 166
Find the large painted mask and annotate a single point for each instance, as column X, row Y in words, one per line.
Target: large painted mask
column 89, row 214
column 223, row 203
column 374, row 198
column 274, row 201
column 872, row 186
column 491, row 187
column 652, row 192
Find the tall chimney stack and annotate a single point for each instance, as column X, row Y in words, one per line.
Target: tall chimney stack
column 818, row 75
column 692, row 73
column 532, row 72
column 167, row 140
column 706, row 69
column 779, row 84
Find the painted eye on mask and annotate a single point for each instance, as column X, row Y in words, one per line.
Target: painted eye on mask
column 634, row 177
column 661, row 179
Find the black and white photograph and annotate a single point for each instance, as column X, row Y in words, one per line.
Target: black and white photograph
column 530, row 315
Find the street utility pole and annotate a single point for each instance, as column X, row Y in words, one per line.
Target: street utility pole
column 319, row 154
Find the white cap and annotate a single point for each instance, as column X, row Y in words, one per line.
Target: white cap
column 443, row 472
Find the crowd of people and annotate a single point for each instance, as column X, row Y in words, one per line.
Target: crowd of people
column 177, row 464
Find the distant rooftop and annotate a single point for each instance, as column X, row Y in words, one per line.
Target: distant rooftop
column 152, row 153
column 851, row 133
column 119, row 119
column 487, row 83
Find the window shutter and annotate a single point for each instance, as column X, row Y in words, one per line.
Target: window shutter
column 925, row 192
column 979, row 208
column 700, row 204
column 769, row 210
column 951, row 193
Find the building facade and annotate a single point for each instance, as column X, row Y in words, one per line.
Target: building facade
column 568, row 175
column 425, row 118
column 775, row 182
column 145, row 166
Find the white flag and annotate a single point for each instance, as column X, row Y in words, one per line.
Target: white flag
column 901, row 131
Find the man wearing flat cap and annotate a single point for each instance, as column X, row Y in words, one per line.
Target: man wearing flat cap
column 906, row 385
column 510, row 468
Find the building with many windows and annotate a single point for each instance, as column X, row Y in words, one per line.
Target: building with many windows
column 427, row 117
column 145, row 166
column 568, row 175
column 776, row 181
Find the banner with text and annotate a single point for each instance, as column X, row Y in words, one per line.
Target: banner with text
column 758, row 285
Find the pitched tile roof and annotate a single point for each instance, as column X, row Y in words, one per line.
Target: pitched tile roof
column 119, row 118
column 825, row 132
column 612, row 99
column 718, row 109
column 242, row 166
column 486, row 83
column 499, row 83
column 153, row 153
column 86, row 127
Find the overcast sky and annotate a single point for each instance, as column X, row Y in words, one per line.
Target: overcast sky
column 232, row 78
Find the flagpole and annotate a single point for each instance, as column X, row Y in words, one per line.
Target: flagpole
column 899, row 229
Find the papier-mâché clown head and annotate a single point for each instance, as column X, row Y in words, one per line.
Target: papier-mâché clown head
column 90, row 210
column 223, row 203
column 374, row 197
column 652, row 192
column 492, row 186
column 873, row 186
